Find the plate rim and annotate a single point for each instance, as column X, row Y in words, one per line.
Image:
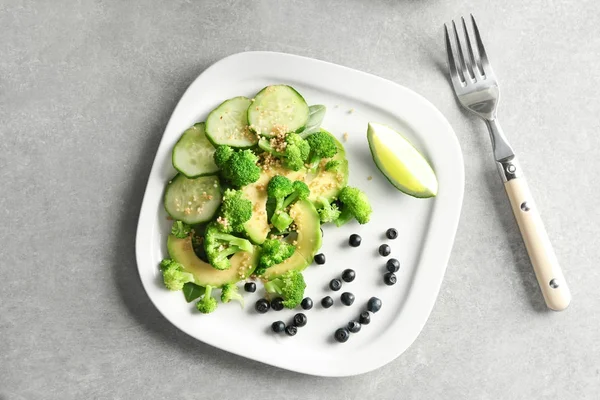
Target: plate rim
column 425, row 303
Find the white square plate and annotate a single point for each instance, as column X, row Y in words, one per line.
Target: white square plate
column 426, row 226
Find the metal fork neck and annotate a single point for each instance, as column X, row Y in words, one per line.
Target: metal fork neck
column 502, row 150
column 506, row 162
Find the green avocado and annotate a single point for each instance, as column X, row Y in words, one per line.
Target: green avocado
column 257, row 228
column 308, row 239
column 242, row 264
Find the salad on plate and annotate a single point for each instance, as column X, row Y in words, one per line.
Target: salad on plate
column 255, row 183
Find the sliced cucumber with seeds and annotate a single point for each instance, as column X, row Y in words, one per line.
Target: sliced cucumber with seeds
column 278, row 109
column 228, row 124
column 193, row 153
column 193, row 201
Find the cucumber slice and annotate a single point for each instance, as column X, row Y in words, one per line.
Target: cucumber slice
column 193, row 201
column 228, row 124
column 193, row 153
column 276, row 109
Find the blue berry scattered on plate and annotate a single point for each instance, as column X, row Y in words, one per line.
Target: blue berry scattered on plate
column 347, row 298
column 278, row 326
column 348, row 275
column 327, row 302
column 385, row 250
column 262, row 306
column 374, row 304
column 392, row 265
column 335, row 284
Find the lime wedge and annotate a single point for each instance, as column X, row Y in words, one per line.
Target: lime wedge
column 400, row 162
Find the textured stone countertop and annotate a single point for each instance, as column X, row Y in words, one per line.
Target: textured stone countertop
column 86, row 89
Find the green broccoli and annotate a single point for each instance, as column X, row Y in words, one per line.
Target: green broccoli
column 219, row 245
column 207, row 303
column 237, row 167
column 235, row 211
column 285, row 193
column 273, row 252
column 180, row 229
column 332, row 165
column 174, row 276
column 295, row 153
column 230, row 292
column 222, row 154
column 290, row 286
column 355, row 204
column 327, row 212
column 322, row 145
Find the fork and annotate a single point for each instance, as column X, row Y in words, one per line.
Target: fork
column 477, row 90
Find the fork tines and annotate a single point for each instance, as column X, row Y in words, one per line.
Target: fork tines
column 466, row 66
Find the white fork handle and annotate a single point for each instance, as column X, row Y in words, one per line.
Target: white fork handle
column 545, row 264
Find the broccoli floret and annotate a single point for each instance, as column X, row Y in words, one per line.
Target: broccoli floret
column 290, row 286
column 174, row 276
column 235, row 211
column 279, row 188
column 207, row 303
column 273, row 252
column 332, row 165
column 301, row 192
column 180, row 229
column 230, row 292
column 322, row 145
column 238, row 167
column 285, row 193
column 327, row 212
column 355, row 204
column 222, row 154
column 295, row 153
column 219, row 245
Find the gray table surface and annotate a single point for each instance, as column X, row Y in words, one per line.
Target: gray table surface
column 86, row 89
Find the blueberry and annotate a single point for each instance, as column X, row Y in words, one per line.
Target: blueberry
column 389, row 278
column 291, row 330
column 391, row 233
column 364, row 318
column 348, row 275
column 392, row 265
column 354, row 326
column 347, row 298
column 327, row 302
column 354, row 240
column 335, row 284
column 278, row 326
column 385, row 250
column 320, row 258
column 300, row 320
column 307, row 303
column 277, row 304
column 342, row 335
column 374, row 304
column 250, row 287
column 262, row 306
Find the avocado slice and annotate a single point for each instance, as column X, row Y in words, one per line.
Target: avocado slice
column 308, row 240
column 257, row 227
column 242, row 264
column 328, row 184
